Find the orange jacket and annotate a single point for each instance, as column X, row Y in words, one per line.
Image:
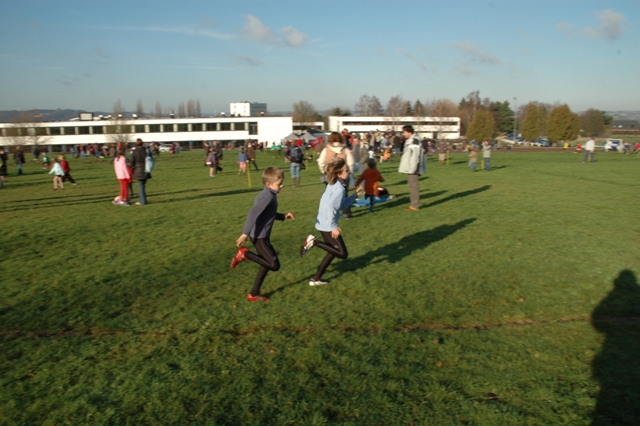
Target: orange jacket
column 371, row 177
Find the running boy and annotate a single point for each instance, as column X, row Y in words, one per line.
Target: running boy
column 258, row 228
column 371, row 177
column 333, row 200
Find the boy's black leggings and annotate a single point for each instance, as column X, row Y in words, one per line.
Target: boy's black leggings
column 68, row 177
column 334, row 247
column 267, row 258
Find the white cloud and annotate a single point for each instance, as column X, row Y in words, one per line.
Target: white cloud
column 254, row 29
column 474, row 53
column 465, row 70
column 294, row 37
column 418, row 62
column 174, row 30
column 245, row 60
column 611, row 25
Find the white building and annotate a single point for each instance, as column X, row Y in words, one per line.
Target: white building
column 165, row 130
column 429, row 127
column 247, row 109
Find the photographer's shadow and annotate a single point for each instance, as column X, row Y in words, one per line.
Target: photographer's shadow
column 617, row 366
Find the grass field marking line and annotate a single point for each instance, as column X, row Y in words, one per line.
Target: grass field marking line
column 248, row 331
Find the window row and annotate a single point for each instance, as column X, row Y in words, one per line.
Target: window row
column 127, row 128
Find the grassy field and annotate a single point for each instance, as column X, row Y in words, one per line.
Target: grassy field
column 510, row 298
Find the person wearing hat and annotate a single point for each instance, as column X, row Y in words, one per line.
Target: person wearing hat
column 412, row 163
column 336, row 148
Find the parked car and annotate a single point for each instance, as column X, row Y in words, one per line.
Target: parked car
column 541, row 142
column 164, row 147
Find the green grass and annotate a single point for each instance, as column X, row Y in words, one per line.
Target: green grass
column 511, row 297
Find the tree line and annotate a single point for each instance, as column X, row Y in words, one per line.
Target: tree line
column 480, row 118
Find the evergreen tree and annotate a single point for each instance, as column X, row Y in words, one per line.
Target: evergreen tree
column 482, row 127
column 593, row 122
column 562, row 125
column 534, row 121
column 418, row 109
column 408, row 109
column 503, row 116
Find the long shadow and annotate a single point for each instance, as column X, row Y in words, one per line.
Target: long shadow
column 459, row 195
column 395, row 252
column 498, row 167
column 214, row 194
column 108, row 198
column 617, row 366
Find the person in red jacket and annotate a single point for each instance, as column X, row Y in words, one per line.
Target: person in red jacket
column 66, row 169
column 371, row 177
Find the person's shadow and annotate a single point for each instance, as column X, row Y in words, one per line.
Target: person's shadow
column 395, row 252
column 617, row 366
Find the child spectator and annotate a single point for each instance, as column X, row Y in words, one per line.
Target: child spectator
column 211, row 162
column 65, row 168
column 473, row 159
column 258, row 228
column 45, row 161
column 333, row 200
column 242, row 162
column 120, row 167
column 371, row 177
column 57, row 173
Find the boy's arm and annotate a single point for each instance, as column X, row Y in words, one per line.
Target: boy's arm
column 380, row 178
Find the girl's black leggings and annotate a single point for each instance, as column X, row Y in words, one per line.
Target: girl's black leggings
column 334, row 247
column 267, row 258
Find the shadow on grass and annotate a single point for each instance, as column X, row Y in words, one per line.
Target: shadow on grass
column 617, row 366
column 459, row 195
column 78, row 199
column 402, row 248
column 498, row 167
column 208, row 195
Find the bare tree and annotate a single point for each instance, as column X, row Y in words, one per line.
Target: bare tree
column 119, row 129
column 139, row 109
column 396, row 108
column 419, row 113
column 368, row 106
column 191, row 108
column 198, row 110
column 158, row 111
column 304, row 112
column 181, row 112
column 440, row 109
column 118, row 109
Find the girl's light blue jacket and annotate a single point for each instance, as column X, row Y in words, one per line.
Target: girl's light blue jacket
column 333, row 200
column 56, row 170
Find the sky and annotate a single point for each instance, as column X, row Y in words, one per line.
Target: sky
column 88, row 54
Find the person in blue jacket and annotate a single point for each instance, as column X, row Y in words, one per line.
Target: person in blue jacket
column 333, row 200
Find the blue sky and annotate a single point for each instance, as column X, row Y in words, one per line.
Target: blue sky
column 87, row 55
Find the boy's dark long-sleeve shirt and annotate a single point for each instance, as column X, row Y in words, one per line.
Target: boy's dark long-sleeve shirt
column 262, row 215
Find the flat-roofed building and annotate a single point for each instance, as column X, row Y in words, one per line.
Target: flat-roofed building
column 625, row 126
column 429, row 127
column 164, row 130
column 247, row 109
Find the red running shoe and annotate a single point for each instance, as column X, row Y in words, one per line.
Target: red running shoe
column 239, row 257
column 251, row 298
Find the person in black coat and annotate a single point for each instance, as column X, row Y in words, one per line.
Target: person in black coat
column 138, row 160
